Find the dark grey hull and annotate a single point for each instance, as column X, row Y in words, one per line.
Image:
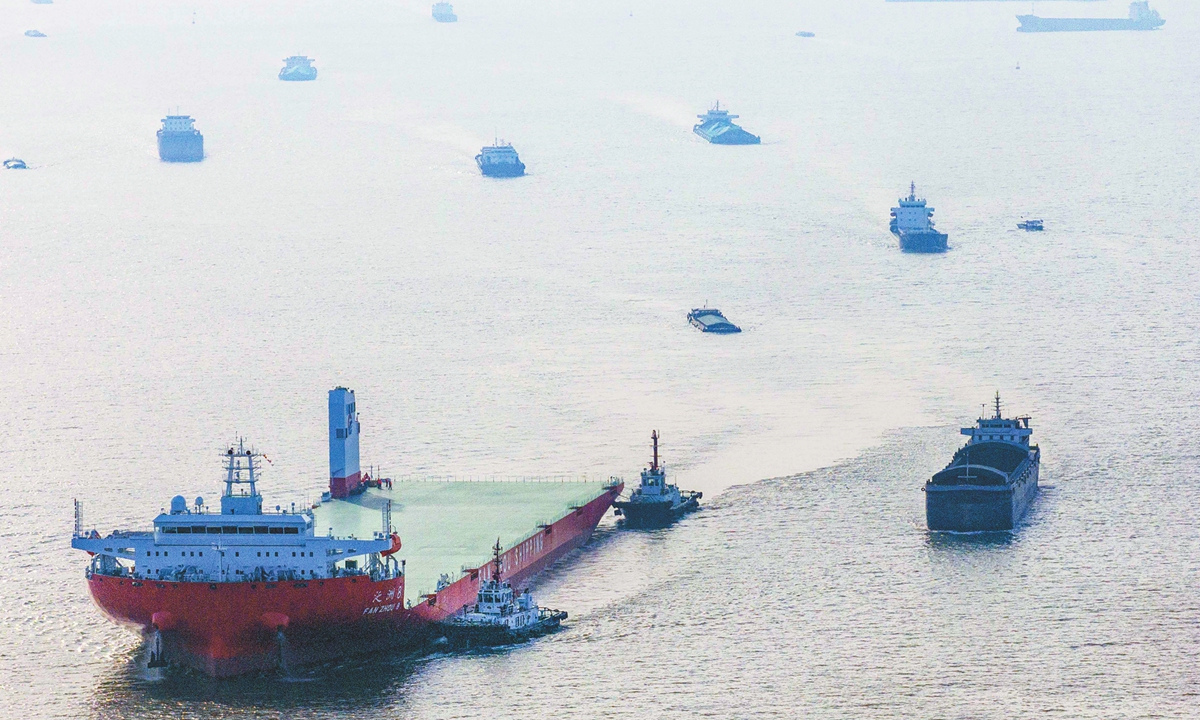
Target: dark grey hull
column 462, row 636
column 655, row 515
column 981, row 508
column 927, row 242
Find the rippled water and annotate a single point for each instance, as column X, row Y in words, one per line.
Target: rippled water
column 338, row 232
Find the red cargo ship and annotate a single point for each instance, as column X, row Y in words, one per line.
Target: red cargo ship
column 241, row 590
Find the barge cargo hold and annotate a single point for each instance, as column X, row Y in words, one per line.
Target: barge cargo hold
column 259, row 589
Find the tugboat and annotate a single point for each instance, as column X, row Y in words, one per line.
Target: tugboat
column 1141, row 17
column 14, row 164
column 912, row 222
column 178, row 141
column 298, row 68
column 499, row 616
column 500, row 160
column 1031, row 225
column 716, row 126
column 444, row 12
column 656, row 503
column 991, row 480
column 711, row 320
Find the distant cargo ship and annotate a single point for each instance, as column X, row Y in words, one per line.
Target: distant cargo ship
column 991, row 480
column 245, row 589
column 912, row 223
column 500, row 160
column 34, row 33
column 717, row 127
column 298, row 68
column 711, row 320
column 444, row 12
column 1031, row 225
column 14, row 164
column 179, row 141
column 1141, row 17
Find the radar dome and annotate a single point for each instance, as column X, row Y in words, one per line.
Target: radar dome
column 199, row 502
column 178, row 505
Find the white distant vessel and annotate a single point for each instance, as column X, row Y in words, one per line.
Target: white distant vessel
column 912, row 222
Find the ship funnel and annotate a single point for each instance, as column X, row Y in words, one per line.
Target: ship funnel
column 344, row 474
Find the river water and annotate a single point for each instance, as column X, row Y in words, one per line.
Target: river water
column 338, row 232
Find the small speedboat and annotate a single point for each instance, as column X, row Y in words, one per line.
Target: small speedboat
column 1031, row 225
column 34, row 33
column 14, row 164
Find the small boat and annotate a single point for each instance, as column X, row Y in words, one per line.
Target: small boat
column 711, row 320
column 656, row 503
column 43, row 2
column 500, row 160
column 805, row 33
column 444, row 12
column 1031, row 225
column 717, row 127
column 499, row 616
column 298, row 68
column 34, row 33
column 14, row 164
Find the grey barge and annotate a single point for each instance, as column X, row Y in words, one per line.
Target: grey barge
column 991, row 481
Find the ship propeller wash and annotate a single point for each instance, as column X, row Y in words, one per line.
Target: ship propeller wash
column 243, row 588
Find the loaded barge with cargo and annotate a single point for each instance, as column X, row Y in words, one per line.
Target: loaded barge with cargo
column 242, row 588
column 991, row 480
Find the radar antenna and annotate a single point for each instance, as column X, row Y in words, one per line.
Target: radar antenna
column 998, row 405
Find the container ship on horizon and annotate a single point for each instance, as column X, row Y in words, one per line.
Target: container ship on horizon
column 242, row 589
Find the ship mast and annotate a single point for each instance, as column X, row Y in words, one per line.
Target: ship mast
column 998, row 405
column 234, row 468
column 654, row 463
column 496, row 561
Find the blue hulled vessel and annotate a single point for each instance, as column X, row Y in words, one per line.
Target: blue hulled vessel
column 1141, row 17
column 179, row 141
column 990, row 482
column 711, row 320
column 717, row 127
column 912, row 222
column 298, row 68
column 444, row 12
column 500, row 160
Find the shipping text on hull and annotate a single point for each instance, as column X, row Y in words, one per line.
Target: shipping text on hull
column 244, row 590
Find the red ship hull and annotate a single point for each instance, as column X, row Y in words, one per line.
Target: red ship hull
column 226, row 629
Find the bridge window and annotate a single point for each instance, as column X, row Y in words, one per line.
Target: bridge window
column 245, row 530
column 214, row 531
column 229, row 530
column 291, row 531
column 261, row 529
column 184, row 530
column 276, row 531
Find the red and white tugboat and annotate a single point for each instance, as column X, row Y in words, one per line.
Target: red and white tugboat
column 244, row 589
column 499, row 616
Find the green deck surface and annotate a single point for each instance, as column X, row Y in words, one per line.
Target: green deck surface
column 446, row 526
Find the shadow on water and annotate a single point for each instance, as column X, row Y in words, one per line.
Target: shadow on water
column 369, row 683
column 968, row 541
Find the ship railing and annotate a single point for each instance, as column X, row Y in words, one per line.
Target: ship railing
column 557, row 478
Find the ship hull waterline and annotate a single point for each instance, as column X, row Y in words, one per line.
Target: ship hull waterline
column 230, row 629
